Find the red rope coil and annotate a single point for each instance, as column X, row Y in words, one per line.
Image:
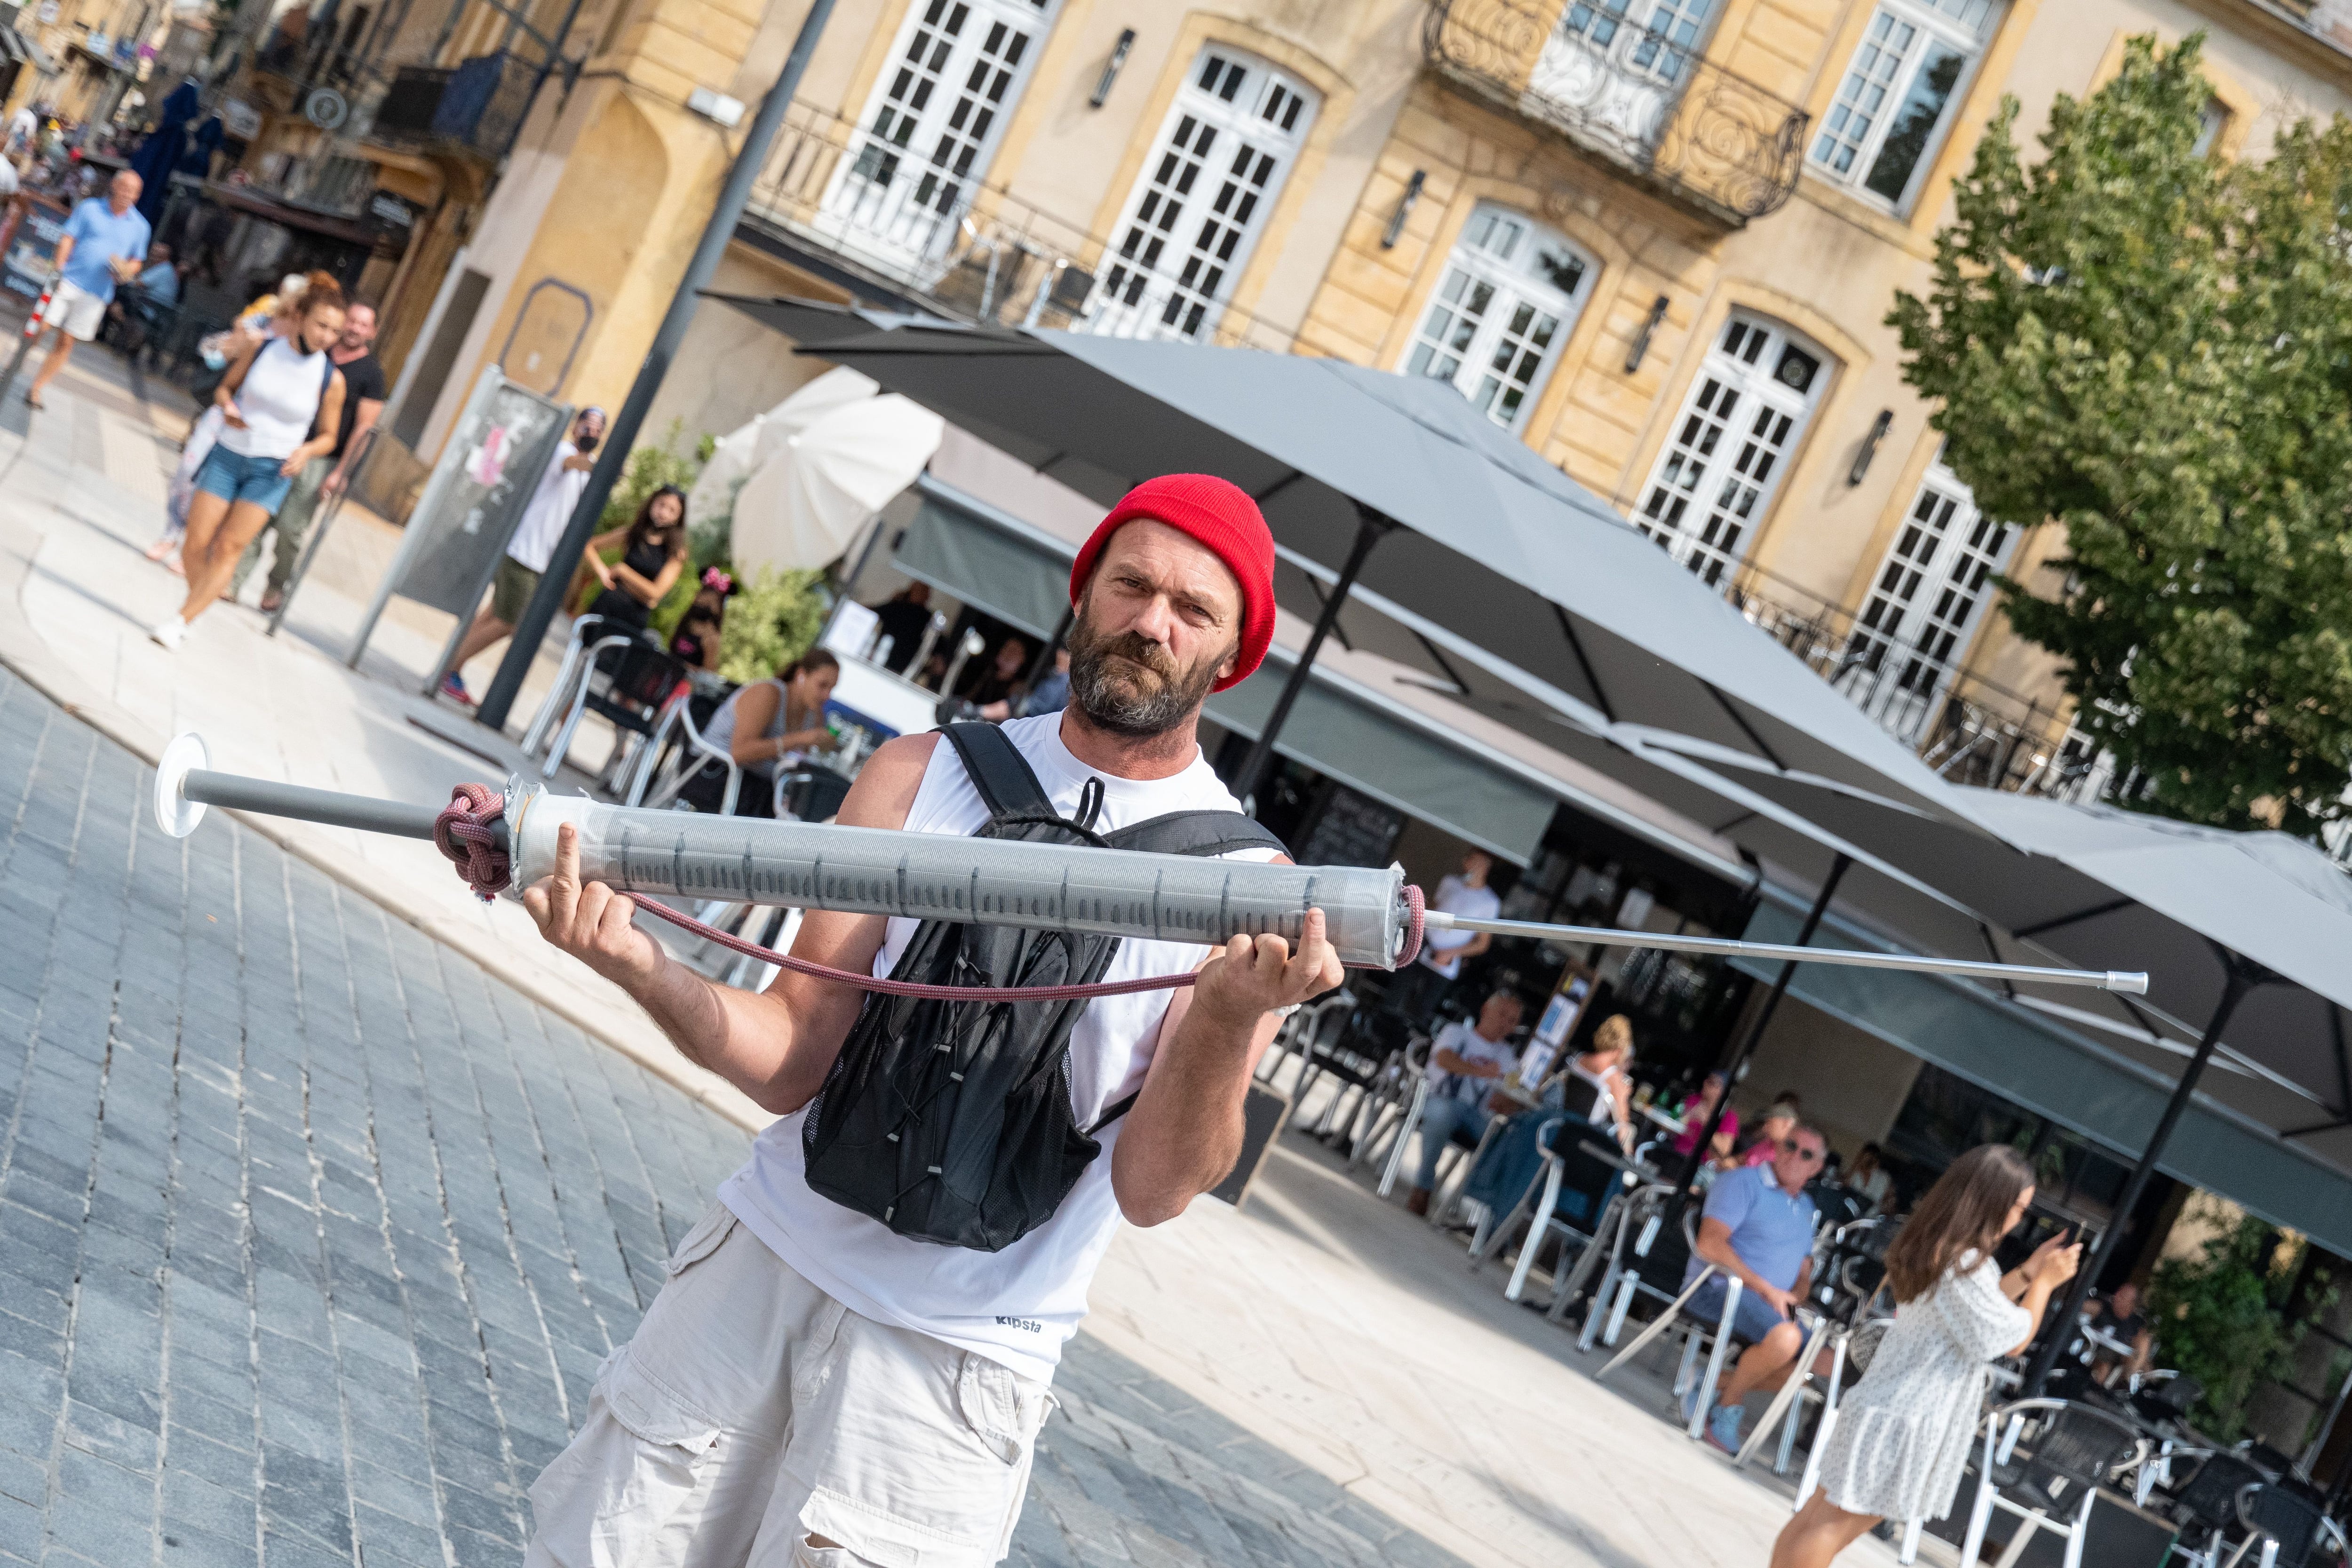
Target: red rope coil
column 467, row 831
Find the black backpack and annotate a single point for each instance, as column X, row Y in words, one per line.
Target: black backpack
column 950, row 1121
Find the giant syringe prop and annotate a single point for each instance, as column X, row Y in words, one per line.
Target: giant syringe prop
column 1369, row 915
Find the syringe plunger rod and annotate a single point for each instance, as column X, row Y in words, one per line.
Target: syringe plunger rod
column 928, row 876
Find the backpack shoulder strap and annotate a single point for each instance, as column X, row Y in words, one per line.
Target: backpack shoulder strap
column 1186, row 833
column 1008, row 786
column 1203, row 833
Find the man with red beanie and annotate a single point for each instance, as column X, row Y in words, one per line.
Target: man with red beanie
column 812, row 1387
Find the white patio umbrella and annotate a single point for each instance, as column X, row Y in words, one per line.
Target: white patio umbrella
column 822, row 465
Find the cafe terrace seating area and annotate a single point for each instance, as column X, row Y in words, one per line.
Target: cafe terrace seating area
column 2104, row 1467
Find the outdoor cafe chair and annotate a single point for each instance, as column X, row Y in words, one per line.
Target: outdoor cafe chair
column 678, row 750
column 1392, row 1112
column 1575, row 1183
column 1351, row 1056
column 2286, row 1520
column 809, row 793
column 1658, row 1273
column 2205, row 1510
column 1451, row 1179
column 1632, row 1232
column 637, row 683
column 1299, row 1029
column 585, row 630
column 1787, row 1409
column 2053, row 1488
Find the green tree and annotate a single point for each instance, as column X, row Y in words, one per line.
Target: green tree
column 2152, row 347
column 2216, row 1317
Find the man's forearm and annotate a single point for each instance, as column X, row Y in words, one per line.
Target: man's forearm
column 729, row 1031
column 1723, row 1257
column 1185, row 1132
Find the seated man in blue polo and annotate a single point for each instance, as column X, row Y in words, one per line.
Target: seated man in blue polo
column 1757, row 1227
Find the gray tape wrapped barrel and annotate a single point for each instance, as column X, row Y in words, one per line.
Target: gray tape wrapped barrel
column 920, row 876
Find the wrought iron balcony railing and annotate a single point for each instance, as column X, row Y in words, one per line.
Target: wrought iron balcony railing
column 1646, row 101
column 475, row 106
column 969, row 250
column 1969, row 729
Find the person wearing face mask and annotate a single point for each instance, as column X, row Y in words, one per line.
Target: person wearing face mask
column 533, row 540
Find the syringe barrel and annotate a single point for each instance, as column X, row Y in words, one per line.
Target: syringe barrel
column 932, row 876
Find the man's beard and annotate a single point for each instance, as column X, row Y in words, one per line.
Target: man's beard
column 1130, row 686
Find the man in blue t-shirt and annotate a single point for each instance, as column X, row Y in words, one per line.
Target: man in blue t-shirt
column 105, row 243
column 1757, row 1227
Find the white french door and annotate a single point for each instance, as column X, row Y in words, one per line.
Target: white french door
column 932, row 125
column 1714, row 481
column 1510, row 296
column 1929, row 595
column 1203, row 198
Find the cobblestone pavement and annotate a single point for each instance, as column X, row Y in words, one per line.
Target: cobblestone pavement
column 313, row 1236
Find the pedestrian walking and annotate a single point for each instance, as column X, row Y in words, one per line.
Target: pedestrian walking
column 281, row 405
column 823, row 1380
column 104, row 243
column 529, row 546
column 330, row 472
column 1902, row 1432
column 276, row 314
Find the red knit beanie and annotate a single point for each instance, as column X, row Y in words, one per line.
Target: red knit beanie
column 1222, row 516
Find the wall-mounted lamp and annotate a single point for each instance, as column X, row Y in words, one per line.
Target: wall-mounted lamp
column 1633, row 356
column 1110, row 66
column 1403, row 209
column 1878, row 429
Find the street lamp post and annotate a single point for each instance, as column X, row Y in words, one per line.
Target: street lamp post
column 549, row 597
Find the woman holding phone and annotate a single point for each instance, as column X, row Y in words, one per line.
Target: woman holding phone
column 281, row 405
column 1903, row 1433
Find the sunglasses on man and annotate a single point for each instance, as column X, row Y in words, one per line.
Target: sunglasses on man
column 1814, row 1156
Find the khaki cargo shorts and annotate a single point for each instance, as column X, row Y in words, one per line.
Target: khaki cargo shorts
column 752, row 1411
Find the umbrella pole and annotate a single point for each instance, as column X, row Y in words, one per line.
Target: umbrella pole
column 1748, row 1042
column 1370, row 526
column 522, row 645
column 2059, row 1327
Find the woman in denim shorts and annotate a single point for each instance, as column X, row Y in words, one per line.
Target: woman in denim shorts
column 282, row 403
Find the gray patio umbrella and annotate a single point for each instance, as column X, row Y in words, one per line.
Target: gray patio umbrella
column 1407, row 522
column 2245, row 933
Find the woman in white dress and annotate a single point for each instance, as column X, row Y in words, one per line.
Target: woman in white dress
column 1902, row 1432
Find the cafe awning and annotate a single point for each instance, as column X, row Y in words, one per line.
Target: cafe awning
column 1452, row 549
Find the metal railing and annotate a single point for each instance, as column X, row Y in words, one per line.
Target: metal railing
column 969, row 250
column 1970, row 729
column 1650, row 104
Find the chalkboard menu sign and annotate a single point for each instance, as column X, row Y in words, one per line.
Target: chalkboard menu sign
column 1351, row 829
column 32, row 250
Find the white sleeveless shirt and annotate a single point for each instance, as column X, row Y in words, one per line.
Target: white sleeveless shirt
column 278, row 401
column 1018, row 1306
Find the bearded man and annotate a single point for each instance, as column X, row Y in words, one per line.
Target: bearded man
column 811, row 1387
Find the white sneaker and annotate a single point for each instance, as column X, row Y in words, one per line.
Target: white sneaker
column 170, row 634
